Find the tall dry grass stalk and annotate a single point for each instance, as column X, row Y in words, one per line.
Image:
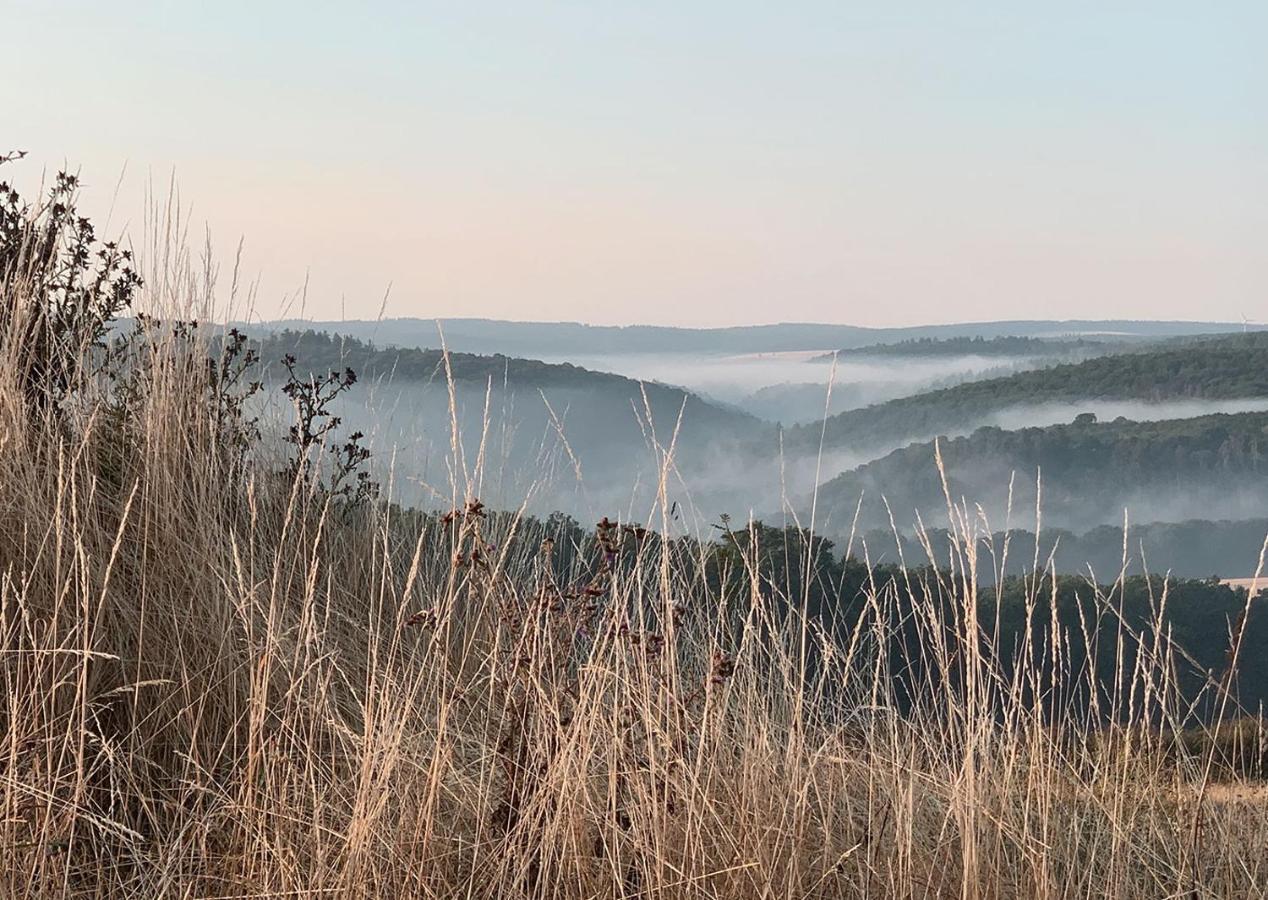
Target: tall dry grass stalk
column 218, row 684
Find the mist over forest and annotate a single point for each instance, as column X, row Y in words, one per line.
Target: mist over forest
column 1084, row 430
column 318, row 579
column 793, row 387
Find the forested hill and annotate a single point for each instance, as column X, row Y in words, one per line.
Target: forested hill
column 565, row 437
column 1215, row 368
column 1003, row 345
column 575, row 339
column 319, row 351
column 1214, row 466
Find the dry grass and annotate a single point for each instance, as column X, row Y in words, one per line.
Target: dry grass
column 218, row 686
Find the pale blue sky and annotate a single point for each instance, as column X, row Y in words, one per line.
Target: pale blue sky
column 681, row 163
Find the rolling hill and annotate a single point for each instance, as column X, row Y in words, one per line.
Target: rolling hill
column 1001, row 345
column 564, row 339
column 1213, row 465
column 571, row 438
column 1212, row 368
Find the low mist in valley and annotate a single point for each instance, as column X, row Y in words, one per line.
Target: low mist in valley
column 609, row 435
column 590, row 455
column 792, row 387
column 571, row 450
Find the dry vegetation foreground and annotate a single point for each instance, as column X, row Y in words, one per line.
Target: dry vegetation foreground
column 229, row 672
column 215, row 691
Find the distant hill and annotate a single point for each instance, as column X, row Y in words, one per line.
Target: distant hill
column 569, row 437
column 322, row 350
column 584, row 440
column 1209, row 368
column 1002, row 345
column 803, row 403
column 1215, row 466
column 535, row 340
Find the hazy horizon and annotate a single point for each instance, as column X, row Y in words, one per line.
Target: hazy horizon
column 687, row 165
column 763, row 323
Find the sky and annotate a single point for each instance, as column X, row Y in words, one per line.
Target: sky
column 682, row 163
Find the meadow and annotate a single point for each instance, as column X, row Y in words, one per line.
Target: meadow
column 233, row 667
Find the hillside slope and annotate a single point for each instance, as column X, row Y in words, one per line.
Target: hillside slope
column 575, row 339
column 320, row 351
column 1224, row 367
column 571, row 438
column 1001, row 345
column 1213, row 466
